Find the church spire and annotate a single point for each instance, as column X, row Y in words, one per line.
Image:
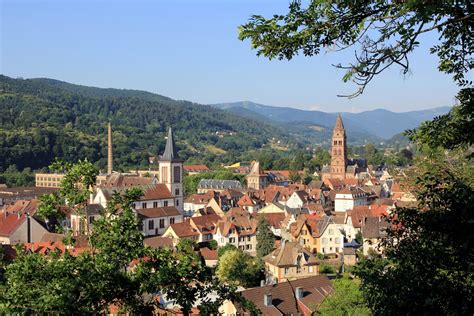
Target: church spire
column 339, row 124
column 170, row 154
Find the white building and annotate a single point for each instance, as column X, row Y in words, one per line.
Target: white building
column 346, row 199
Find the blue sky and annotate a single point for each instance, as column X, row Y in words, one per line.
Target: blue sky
column 189, row 50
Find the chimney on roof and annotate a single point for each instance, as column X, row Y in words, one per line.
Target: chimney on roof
column 267, row 299
column 299, row 293
column 109, row 150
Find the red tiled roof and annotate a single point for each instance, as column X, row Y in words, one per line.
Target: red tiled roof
column 245, row 200
column 195, row 168
column 117, row 180
column 158, row 212
column 10, row 222
column 184, row 229
column 200, row 198
column 274, row 219
column 208, row 254
column 158, row 242
column 284, row 301
column 206, row 223
column 43, row 248
column 156, row 192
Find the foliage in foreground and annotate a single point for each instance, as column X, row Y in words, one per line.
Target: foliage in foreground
column 238, row 268
column 119, row 270
column 346, row 300
column 428, row 267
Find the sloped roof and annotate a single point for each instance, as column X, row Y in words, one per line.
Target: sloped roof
column 339, row 124
column 170, row 153
column 184, row 229
column 10, row 222
column 23, row 207
column 284, row 301
column 239, row 219
column 119, row 180
column 374, row 227
column 158, row 212
column 286, row 255
column 219, row 184
column 208, row 254
column 206, row 223
column 274, row 219
column 200, row 198
column 195, row 168
column 158, row 242
column 245, row 200
column 156, row 192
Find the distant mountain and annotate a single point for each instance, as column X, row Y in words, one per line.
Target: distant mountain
column 41, row 119
column 378, row 123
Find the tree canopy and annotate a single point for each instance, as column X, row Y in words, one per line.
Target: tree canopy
column 383, row 33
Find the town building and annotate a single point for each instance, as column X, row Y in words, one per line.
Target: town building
column 341, row 167
column 290, row 261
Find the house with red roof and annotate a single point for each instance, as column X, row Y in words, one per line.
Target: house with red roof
column 195, row 169
column 298, row 297
column 20, row 228
column 237, row 227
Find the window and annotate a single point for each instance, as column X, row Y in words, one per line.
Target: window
column 171, row 220
column 164, row 174
column 338, row 240
column 151, row 224
column 177, row 174
column 165, row 203
column 144, row 205
column 155, row 204
column 91, row 219
column 287, row 270
column 330, row 231
column 248, row 238
column 162, row 223
column 310, row 269
column 325, row 241
column 232, row 240
column 303, row 232
column 176, row 191
column 134, row 205
column 177, row 202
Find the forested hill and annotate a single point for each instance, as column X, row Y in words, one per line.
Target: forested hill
column 41, row 119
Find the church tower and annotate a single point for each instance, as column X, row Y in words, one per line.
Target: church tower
column 171, row 171
column 339, row 150
column 256, row 179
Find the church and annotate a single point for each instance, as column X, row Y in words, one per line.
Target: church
column 341, row 168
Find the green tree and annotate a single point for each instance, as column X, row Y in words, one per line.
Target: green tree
column 385, row 32
column 294, row 176
column 428, row 263
column 222, row 250
column 73, row 194
column 346, row 300
column 265, row 238
column 238, row 268
column 118, row 270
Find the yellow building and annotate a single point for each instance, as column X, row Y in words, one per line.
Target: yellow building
column 48, row 180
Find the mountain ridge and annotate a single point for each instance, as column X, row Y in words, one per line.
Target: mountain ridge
column 381, row 123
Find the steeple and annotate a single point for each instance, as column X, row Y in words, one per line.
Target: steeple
column 109, row 150
column 339, row 124
column 339, row 150
column 170, row 154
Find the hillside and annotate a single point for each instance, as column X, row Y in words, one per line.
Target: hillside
column 41, row 119
column 364, row 126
